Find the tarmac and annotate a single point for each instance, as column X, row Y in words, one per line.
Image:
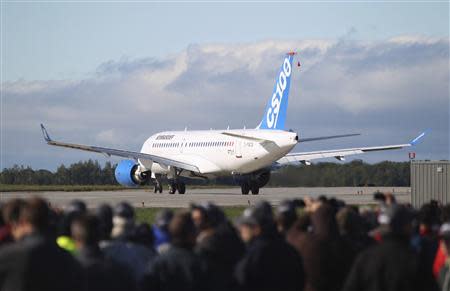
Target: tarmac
column 220, row 196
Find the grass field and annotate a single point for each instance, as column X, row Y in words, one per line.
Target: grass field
column 148, row 214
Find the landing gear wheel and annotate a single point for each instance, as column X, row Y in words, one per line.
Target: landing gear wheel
column 181, row 188
column 157, row 189
column 245, row 188
column 255, row 190
column 172, row 188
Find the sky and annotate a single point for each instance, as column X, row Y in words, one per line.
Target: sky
column 112, row 74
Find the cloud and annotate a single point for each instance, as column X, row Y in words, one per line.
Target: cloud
column 388, row 89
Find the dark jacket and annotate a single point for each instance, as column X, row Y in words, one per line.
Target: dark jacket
column 221, row 251
column 134, row 257
column 37, row 263
column 326, row 256
column 389, row 266
column 270, row 264
column 177, row 269
column 101, row 273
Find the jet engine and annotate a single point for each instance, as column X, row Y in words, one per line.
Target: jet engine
column 128, row 173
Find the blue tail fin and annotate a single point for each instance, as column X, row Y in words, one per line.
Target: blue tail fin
column 276, row 109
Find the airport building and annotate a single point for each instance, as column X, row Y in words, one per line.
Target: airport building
column 430, row 180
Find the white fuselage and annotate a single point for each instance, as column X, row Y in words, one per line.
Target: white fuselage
column 219, row 152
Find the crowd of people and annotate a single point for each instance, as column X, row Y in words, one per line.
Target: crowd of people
column 311, row 244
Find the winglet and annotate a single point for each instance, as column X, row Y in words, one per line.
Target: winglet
column 45, row 133
column 417, row 139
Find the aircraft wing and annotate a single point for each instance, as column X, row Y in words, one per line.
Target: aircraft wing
column 340, row 154
column 121, row 153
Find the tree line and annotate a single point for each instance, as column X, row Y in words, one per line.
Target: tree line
column 355, row 173
column 352, row 174
column 82, row 173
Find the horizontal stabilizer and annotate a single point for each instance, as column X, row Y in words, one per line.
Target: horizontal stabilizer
column 327, row 137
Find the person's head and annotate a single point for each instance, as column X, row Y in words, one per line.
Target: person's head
column 75, row 209
column 104, row 214
column 123, row 221
column 303, row 223
column 444, row 233
column 198, row 214
column 379, row 197
column 400, row 220
column 182, row 230
column 34, row 217
column 256, row 221
column 323, row 199
column 214, row 215
column 207, row 215
column 76, row 205
column 163, row 219
column 324, row 221
column 143, row 235
column 429, row 217
column 390, row 199
column 445, row 213
column 85, row 231
column 285, row 215
column 11, row 214
column 349, row 221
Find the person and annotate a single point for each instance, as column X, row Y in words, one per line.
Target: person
column 219, row 246
column 441, row 254
column 429, row 217
column 286, row 215
column 104, row 214
column 123, row 222
column 391, row 264
column 179, row 268
column 64, row 239
column 34, row 261
column 10, row 217
column 143, row 235
column 5, row 232
column 100, row 272
column 327, row 257
column 352, row 230
column 122, row 248
column 269, row 263
column 161, row 230
column 444, row 271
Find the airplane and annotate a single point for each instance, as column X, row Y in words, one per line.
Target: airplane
column 248, row 155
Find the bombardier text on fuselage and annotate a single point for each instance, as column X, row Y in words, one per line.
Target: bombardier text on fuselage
column 248, row 155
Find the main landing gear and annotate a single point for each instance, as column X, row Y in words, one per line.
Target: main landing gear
column 246, row 187
column 158, row 189
column 175, row 186
column 157, row 184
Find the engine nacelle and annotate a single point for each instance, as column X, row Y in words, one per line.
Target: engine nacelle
column 129, row 174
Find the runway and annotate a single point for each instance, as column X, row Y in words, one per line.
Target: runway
column 222, row 197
